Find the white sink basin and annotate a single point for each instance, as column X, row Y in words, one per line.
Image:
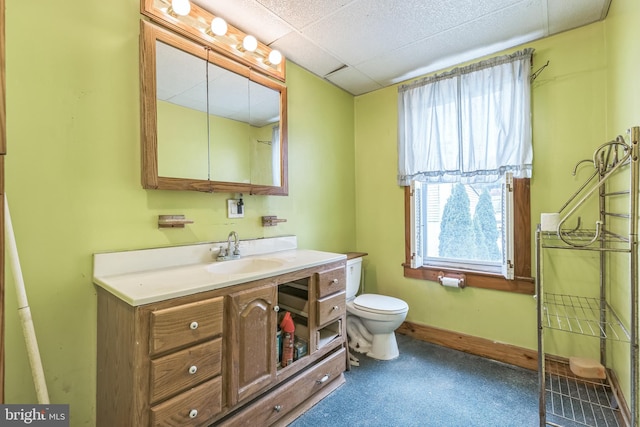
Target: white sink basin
column 244, row 266
column 158, row 274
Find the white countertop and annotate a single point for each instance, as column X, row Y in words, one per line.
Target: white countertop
column 155, row 281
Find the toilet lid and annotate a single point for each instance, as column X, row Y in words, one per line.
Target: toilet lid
column 374, row 303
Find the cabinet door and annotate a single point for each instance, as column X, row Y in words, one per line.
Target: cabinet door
column 252, row 341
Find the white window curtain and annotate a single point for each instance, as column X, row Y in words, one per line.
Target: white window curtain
column 468, row 125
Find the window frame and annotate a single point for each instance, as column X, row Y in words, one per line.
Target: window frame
column 522, row 283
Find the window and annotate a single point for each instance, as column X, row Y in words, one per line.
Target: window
column 463, row 135
column 521, row 282
column 464, row 226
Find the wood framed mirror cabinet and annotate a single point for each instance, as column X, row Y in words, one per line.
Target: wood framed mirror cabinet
column 209, row 122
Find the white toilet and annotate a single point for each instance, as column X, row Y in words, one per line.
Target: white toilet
column 380, row 315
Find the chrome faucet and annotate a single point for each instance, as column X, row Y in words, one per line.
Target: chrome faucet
column 236, row 244
column 224, row 254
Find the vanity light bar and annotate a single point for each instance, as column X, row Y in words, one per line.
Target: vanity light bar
column 199, row 24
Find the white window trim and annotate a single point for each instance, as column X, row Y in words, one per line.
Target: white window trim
column 506, row 267
column 417, row 225
column 508, row 241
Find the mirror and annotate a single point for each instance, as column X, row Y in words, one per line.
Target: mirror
column 208, row 122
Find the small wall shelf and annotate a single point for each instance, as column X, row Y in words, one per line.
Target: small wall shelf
column 173, row 221
column 271, row 220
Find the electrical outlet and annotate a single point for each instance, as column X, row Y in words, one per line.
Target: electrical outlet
column 232, row 209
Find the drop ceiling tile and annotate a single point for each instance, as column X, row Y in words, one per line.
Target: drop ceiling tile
column 304, row 12
column 228, row 92
column 508, row 26
column 353, row 81
column 178, row 72
column 492, row 33
column 568, row 14
column 386, row 41
column 306, row 54
column 194, row 98
column 365, row 29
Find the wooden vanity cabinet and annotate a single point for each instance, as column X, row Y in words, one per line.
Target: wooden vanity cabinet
column 211, row 358
column 159, row 364
column 332, row 301
column 252, row 353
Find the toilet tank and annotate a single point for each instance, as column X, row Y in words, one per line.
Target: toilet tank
column 354, row 272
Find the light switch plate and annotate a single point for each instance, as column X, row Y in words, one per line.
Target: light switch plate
column 232, row 209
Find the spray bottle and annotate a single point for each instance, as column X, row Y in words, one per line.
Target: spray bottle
column 288, row 329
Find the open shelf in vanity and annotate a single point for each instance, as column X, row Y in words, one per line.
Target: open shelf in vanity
column 294, row 297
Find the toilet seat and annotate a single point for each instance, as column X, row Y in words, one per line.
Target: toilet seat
column 380, row 304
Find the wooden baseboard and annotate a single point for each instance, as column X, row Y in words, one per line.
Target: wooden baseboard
column 501, row 352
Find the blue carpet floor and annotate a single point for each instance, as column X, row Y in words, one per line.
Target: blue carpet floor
column 429, row 385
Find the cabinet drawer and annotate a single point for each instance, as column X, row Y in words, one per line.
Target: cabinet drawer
column 331, row 281
column 331, row 308
column 185, row 324
column 183, row 369
column 274, row 406
column 196, row 407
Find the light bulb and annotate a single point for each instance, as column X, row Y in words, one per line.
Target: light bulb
column 181, row 7
column 250, row 43
column 275, row 57
column 218, row 26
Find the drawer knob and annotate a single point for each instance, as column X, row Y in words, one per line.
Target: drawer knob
column 333, row 282
column 276, row 308
column 323, row 379
column 335, row 307
column 193, row 413
column 193, row 369
column 194, row 325
column 277, row 408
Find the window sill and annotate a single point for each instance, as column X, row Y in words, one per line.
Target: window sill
column 520, row 285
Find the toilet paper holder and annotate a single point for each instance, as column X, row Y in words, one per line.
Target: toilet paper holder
column 452, row 280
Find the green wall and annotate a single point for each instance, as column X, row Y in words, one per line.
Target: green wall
column 568, row 121
column 586, row 96
column 73, row 177
column 73, row 180
column 235, row 155
column 182, row 150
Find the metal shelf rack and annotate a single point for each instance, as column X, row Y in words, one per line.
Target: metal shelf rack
column 564, row 398
column 580, row 401
column 583, row 315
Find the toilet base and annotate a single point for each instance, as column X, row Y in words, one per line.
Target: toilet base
column 384, row 347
